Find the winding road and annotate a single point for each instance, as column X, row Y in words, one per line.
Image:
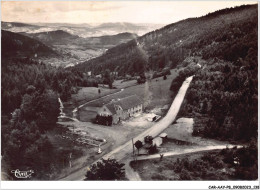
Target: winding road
column 124, row 151
column 134, row 176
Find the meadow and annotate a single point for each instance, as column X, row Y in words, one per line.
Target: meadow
column 155, row 94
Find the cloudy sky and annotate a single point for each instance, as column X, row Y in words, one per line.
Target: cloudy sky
column 109, row 11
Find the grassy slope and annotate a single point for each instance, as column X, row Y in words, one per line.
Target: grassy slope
column 159, row 91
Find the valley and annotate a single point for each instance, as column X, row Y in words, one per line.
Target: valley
column 77, row 43
column 148, row 101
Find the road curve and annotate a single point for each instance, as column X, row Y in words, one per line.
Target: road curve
column 90, row 101
column 125, row 150
column 134, row 176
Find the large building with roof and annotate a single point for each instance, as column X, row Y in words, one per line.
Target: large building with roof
column 122, row 109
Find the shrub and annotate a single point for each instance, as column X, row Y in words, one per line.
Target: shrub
column 153, row 149
column 158, row 176
column 185, row 175
column 104, row 120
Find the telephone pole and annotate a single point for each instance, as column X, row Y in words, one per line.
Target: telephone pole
column 133, row 146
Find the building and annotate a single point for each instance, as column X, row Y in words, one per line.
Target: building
column 157, row 141
column 164, row 136
column 99, row 76
column 122, row 109
column 114, row 73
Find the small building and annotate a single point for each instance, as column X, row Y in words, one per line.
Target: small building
column 99, row 76
column 163, row 136
column 122, row 109
column 103, row 86
column 128, row 76
column 114, row 73
column 157, row 141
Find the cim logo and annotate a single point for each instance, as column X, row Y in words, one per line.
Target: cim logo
column 22, row 174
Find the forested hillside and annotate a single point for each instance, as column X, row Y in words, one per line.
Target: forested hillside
column 207, row 36
column 219, row 49
column 223, row 96
column 30, row 108
column 53, row 37
column 17, row 45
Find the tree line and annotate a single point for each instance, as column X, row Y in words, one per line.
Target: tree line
column 30, row 107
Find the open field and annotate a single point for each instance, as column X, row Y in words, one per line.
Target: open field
column 158, row 89
column 86, row 94
column 124, row 84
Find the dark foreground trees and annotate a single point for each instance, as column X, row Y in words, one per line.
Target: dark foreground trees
column 138, row 145
column 30, row 106
column 108, row 169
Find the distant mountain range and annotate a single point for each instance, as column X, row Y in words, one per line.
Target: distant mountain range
column 77, row 42
column 226, row 34
column 82, row 30
column 58, row 47
column 53, row 37
column 60, row 37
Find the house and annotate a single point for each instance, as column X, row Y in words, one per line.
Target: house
column 157, row 141
column 122, row 109
column 164, row 136
column 99, row 76
column 115, row 73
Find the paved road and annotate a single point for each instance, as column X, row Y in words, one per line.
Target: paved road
column 125, row 150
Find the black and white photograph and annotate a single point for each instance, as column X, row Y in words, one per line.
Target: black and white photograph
column 130, row 91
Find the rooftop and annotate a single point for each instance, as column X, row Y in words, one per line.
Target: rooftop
column 125, row 103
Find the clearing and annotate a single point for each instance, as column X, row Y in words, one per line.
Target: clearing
column 156, row 94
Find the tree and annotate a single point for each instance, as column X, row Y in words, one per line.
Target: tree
column 141, row 78
column 108, row 169
column 108, row 79
column 47, row 110
column 153, row 149
column 138, row 145
column 148, row 139
column 28, row 107
column 30, row 89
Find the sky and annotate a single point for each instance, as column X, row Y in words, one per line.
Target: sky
column 163, row 12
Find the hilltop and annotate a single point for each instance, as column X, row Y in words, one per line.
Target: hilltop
column 53, row 37
column 217, row 34
column 17, row 45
